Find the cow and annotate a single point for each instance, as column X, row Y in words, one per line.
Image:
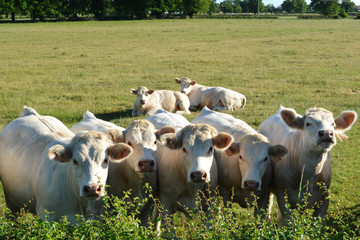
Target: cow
column 245, row 168
column 149, row 101
column 53, row 173
column 186, row 165
column 90, row 122
column 163, row 118
column 138, row 169
column 304, row 174
column 216, row 98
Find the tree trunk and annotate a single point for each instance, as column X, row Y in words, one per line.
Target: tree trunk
column 13, row 17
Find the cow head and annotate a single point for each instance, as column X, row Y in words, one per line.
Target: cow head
column 88, row 156
column 143, row 94
column 318, row 126
column 186, row 84
column 254, row 152
column 142, row 137
column 197, row 143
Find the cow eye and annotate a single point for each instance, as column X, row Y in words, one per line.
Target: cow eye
column 308, row 124
column 105, row 161
column 184, row 150
column 75, row 162
column 130, row 143
column 210, row 150
column 333, row 124
column 240, row 157
column 265, row 159
column 155, row 143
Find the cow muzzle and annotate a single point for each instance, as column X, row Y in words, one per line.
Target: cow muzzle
column 93, row 190
column 326, row 136
column 183, row 92
column 198, row 176
column 146, row 166
column 251, row 185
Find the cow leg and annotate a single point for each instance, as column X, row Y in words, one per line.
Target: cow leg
column 262, row 205
column 182, row 108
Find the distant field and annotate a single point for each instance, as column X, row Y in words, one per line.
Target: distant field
column 64, row 69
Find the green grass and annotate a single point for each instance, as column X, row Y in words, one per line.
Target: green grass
column 64, row 69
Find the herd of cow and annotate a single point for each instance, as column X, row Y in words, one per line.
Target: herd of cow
column 54, row 171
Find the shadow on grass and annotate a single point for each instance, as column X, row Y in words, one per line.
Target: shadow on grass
column 114, row 115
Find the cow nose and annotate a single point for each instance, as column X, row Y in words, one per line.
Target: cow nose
column 146, row 165
column 142, row 101
column 183, row 92
column 198, row 176
column 93, row 190
column 326, row 134
column 251, row 185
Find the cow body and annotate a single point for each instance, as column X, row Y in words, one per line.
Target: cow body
column 304, row 175
column 149, row 101
column 216, row 98
column 44, row 167
column 245, row 168
column 90, row 122
column 187, row 165
column 163, row 118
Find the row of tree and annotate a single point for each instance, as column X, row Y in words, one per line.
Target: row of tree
column 139, row 9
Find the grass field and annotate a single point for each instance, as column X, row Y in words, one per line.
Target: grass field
column 64, row 69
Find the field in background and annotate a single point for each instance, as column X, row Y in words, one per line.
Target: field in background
column 64, row 69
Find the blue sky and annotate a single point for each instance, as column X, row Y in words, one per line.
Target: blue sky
column 277, row 3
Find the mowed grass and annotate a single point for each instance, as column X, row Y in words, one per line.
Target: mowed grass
column 64, row 69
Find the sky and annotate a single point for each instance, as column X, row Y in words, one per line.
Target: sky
column 277, row 3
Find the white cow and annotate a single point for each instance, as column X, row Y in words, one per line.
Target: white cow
column 187, row 165
column 139, row 168
column 163, row 118
column 46, row 168
column 306, row 168
column 149, row 101
column 90, row 122
column 216, row 98
column 246, row 166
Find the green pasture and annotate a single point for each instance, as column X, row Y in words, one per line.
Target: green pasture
column 63, row 69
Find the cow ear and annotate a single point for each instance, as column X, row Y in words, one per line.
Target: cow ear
column 177, row 80
column 233, row 149
column 60, row 153
column 170, row 140
column 345, row 120
column 192, row 82
column 292, row 119
column 115, row 135
column 277, row 152
column 163, row 131
column 119, row 151
column 222, row 140
column 133, row 91
column 151, row 91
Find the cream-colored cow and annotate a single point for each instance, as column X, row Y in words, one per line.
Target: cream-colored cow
column 45, row 168
column 187, row 165
column 245, row 168
column 149, row 101
column 306, row 169
column 216, row 98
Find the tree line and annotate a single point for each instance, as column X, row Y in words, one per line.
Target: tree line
column 141, row 9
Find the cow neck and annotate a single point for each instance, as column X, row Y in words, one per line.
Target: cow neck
column 309, row 164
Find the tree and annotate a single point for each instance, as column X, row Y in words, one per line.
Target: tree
column 43, row 8
column 131, row 9
column 226, row 6
column 13, row 7
column 192, row 7
column 245, row 6
column 348, row 5
column 270, row 8
column 255, row 4
column 325, row 7
column 214, row 7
